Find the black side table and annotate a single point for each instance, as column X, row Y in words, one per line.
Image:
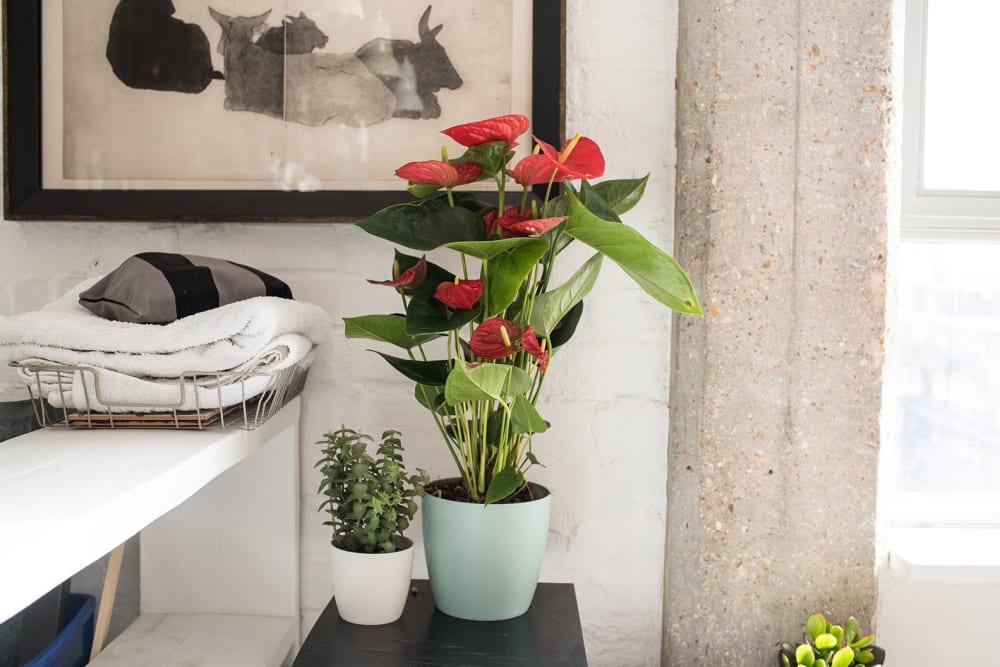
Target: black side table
column 547, row 635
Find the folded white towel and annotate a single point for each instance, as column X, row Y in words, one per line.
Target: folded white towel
column 90, row 388
column 220, row 339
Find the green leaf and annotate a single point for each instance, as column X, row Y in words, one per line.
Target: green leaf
column 552, row 306
column 862, row 642
column 826, row 641
column 425, row 224
column 852, row 630
column 507, row 264
column 816, row 625
column 622, row 194
column 433, row 373
column 492, row 157
column 843, row 658
column 422, row 189
column 427, row 315
column 505, row 483
column 431, row 397
column 525, row 418
column 596, row 204
column 804, row 655
column 386, row 328
column 566, row 327
column 484, row 382
column 652, row 269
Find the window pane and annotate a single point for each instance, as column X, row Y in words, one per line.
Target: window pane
column 962, row 99
column 947, row 380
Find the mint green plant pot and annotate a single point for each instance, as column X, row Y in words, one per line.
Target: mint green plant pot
column 483, row 561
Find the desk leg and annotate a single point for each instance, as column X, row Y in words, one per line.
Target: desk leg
column 107, row 599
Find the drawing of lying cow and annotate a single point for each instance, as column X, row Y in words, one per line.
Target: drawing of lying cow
column 306, row 88
column 413, row 71
column 150, row 49
column 296, row 35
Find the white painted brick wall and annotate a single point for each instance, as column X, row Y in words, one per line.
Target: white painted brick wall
column 607, row 396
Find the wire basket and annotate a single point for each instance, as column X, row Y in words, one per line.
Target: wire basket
column 79, row 397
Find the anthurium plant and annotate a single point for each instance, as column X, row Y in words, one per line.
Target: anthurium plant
column 478, row 342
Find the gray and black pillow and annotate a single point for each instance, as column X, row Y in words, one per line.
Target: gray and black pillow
column 159, row 287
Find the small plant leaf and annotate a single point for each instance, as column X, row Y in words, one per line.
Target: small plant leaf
column 826, row 641
column 843, row 658
column 804, row 655
column 505, row 483
column 862, row 642
column 816, row 625
column 852, row 630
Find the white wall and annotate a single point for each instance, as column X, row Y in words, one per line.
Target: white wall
column 607, row 396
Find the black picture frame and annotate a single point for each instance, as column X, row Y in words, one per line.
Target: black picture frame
column 26, row 199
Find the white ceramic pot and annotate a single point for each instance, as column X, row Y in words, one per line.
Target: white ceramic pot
column 371, row 589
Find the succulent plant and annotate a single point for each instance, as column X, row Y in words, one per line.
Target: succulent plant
column 827, row 645
column 370, row 500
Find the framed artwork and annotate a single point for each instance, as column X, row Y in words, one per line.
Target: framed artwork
column 257, row 110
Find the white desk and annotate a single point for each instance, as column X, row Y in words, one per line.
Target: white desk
column 217, row 538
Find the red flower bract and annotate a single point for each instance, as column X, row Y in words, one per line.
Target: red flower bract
column 580, row 157
column 462, row 294
column 438, row 172
column 496, row 338
column 519, row 225
column 531, row 345
column 490, row 218
column 410, row 279
column 501, row 128
column 534, row 169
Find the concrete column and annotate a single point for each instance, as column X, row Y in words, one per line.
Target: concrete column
column 783, row 110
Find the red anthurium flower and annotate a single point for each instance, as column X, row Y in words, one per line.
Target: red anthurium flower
column 520, row 225
column 580, row 157
column 462, row 294
column 439, row 172
column 501, row 128
column 531, row 345
column 536, row 168
column 410, row 279
column 490, row 218
column 496, row 338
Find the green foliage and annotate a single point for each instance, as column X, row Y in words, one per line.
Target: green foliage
column 481, row 393
column 827, row 645
column 370, row 500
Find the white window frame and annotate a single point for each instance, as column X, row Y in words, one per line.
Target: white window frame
column 935, row 215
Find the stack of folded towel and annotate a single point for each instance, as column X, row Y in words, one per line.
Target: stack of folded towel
column 210, row 359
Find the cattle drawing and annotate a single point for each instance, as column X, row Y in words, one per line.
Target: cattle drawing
column 308, row 88
column 150, row 49
column 282, row 71
column 296, row 35
column 414, row 71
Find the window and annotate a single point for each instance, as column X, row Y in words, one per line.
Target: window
column 945, row 460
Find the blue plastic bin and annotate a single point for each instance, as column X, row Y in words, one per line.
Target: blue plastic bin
column 72, row 647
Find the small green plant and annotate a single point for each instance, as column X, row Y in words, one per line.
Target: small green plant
column 829, row 645
column 370, row 500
